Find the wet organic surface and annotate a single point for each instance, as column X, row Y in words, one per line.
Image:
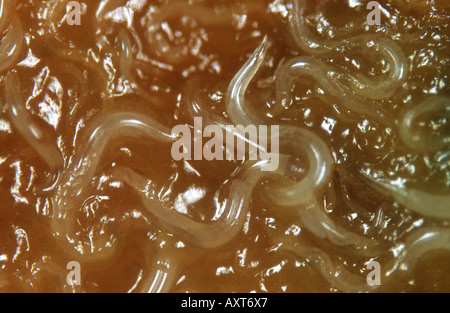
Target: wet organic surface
column 87, row 175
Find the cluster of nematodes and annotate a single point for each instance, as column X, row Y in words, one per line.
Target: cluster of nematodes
column 358, row 94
